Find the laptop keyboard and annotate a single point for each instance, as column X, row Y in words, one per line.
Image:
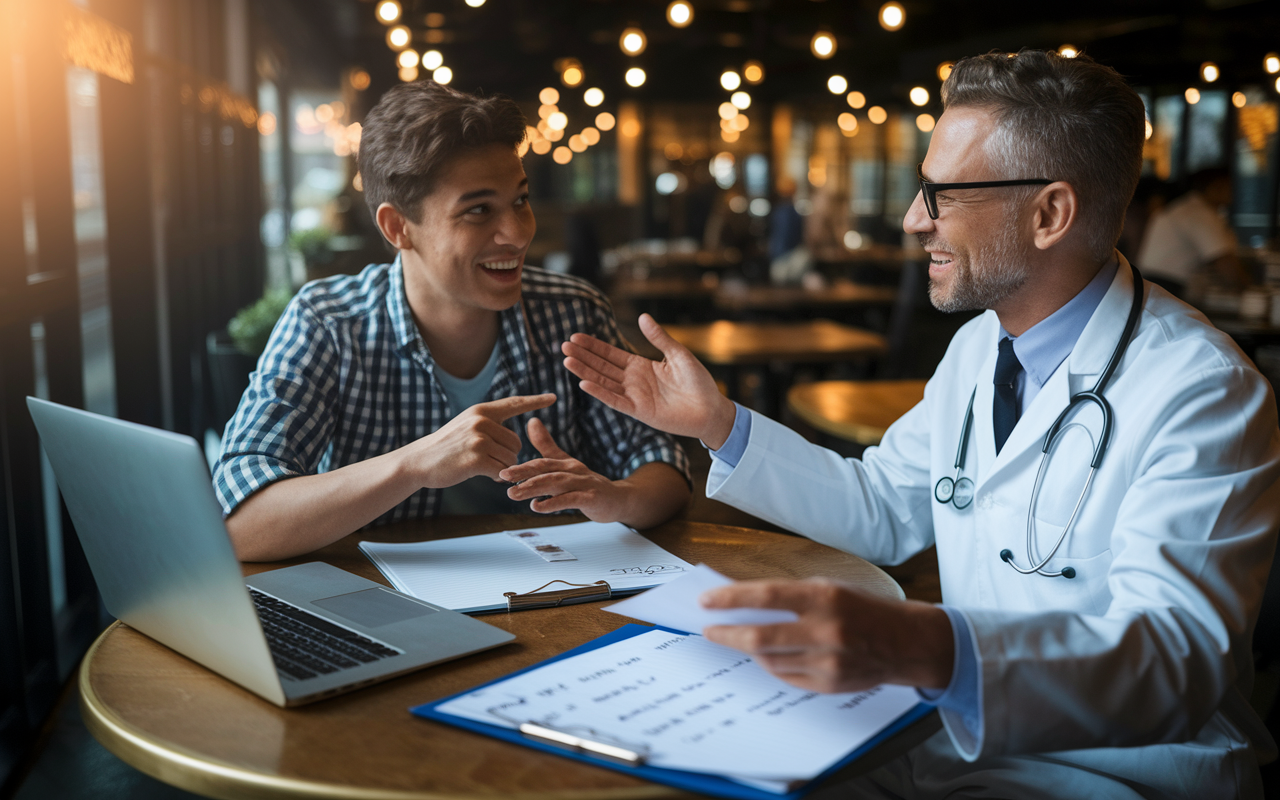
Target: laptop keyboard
column 305, row 645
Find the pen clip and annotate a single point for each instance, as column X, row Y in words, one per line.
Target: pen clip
column 629, row 755
column 580, row 593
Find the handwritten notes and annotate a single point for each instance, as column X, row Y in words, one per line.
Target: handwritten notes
column 470, row 573
column 693, row 705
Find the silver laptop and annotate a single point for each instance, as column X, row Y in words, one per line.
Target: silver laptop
column 144, row 508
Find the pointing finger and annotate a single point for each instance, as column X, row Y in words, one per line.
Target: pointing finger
column 508, row 407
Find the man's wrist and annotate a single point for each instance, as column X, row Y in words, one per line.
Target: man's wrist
column 720, row 424
column 927, row 647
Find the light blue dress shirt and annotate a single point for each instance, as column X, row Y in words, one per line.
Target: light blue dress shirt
column 1040, row 349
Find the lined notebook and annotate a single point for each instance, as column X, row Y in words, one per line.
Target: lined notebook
column 471, row 573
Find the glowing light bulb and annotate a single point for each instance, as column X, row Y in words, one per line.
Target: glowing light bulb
column 632, row 41
column 635, row 77
column 753, row 72
column 590, row 135
column 1239, row 100
column 475, row 3
column 442, row 75
column 919, row 96
column 836, row 84
column 728, row 111
column 1209, row 72
column 892, row 16
column 388, row 11
column 847, row 122
column 856, row 99
column 1271, row 63
column 680, row 14
column 432, row 59
column 877, row 115
column 398, row 37
column 562, row 155
column 549, row 96
column 823, row 45
column 572, row 76
column 730, row 80
column 593, row 97
column 558, row 121
column 605, row 121
column 740, row 100
column 408, row 58
column 1193, row 95
column 944, row 70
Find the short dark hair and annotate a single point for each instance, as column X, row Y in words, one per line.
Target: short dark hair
column 416, row 129
column 1065, row 119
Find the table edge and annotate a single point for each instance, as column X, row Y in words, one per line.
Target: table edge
column 211, row 777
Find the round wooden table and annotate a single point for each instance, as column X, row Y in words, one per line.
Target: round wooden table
column 816, row 341
column 856, row 411
column 184, row 725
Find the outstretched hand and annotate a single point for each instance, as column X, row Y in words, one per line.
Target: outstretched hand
column 676, row 395
column 558, row 481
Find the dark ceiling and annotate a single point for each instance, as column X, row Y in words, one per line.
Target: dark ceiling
column 510, row 46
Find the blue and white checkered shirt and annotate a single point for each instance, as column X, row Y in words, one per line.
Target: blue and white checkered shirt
column 346, row 377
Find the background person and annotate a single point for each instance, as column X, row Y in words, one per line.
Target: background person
column 402, row 392
column 1127, row 680
column 1188, row 243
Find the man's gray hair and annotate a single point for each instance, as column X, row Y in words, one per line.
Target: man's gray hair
column 1064, row 119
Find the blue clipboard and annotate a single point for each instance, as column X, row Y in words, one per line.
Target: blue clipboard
column 698, row 782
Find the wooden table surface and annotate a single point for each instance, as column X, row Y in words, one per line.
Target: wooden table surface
column 178, row 722
column 856, row 411
column 729, row 343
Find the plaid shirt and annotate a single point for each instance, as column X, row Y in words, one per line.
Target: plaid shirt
column 346, row 377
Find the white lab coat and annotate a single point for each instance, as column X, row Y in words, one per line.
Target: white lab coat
column 1148, row 648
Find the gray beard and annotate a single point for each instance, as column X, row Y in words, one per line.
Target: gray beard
column 996, row 271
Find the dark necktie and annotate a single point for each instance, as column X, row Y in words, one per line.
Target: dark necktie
column 1004, row 408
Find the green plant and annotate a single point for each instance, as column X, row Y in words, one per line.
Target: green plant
column 315, row 245
column 251, row 326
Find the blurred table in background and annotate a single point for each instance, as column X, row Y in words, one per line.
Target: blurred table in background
column 740, row 298
column 856, row 411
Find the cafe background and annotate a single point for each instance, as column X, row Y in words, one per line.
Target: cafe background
column 171, row 171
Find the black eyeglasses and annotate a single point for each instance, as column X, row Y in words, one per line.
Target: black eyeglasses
column 929, row 190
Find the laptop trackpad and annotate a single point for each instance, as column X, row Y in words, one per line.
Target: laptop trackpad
column 373, row 608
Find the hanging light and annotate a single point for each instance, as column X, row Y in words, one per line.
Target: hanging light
column 753, row 72
column 856, row 99
column 432, row 59
column 593, row 97
column 728, row 111
column 740, row 100
column 836, row 84
column 877, row 115
column 388, row 11
column 549, row 96
column 475, row 3
column 408, row 74
column 925, row 122
column 572, row 75
column 398, row 37
column 919, row 96
column 407, row 58
column 823, row 45
column 1271, row 63
column 1239, row 100
column 1209, row 72
column 892, row 16
column 605, row 121
column 1068, row 51
column 730, row 80
column 680, row 13
column 635, row 77
column 944, row 70
column 847, row 122
column 633, row 42
column 590, row 135
column 558, row 121
column 1193, row 95
column 442, row 75
column 562, row 155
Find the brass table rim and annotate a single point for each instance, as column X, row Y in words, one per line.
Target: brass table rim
column 201, row 774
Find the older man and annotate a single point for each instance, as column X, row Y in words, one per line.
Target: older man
column 1099, row 597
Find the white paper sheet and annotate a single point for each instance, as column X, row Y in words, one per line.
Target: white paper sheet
column 692, row 705
column 675, row 605
column 470, row 573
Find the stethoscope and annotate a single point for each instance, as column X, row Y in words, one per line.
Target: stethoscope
column 959, row 490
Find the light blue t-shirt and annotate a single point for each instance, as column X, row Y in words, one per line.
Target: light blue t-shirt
column 478, row 495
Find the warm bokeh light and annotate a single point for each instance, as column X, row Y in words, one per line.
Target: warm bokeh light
column 877, row 115
column 919, row 95
column 388, row 11
column 673, row 151
column 593, row 97
column 847, row 122
column 432, row 59
column 1068, row 51
column 360, row 80
column 892, row 16
column 549, row 96
column 753, row 72
column 823, row 45
column 1193, row 95
column 740, row 123
column 572, row 76
column 590, row 135
column 630, row 128
column 856, row 99
column 475, row 3
column 576, row 144
column 435, row 20
column 730, row 80
column 836, row 84
column 324, row 111
column 635, row 77
column 925, row 122
column 1209, row 72
column 727, row 111
column 522, row 148
column 730, row 136
column 442, row 75
column 680, row 13
column 398, row 37
column 944, row 70
column 1278, row 84
column 546, row 109
column 1150, row 129
column 542, row 146
column 1271, row 63
column 1239, row 100
column 740, row 100
column 558, row 121
column 407, row 58
column 408, row 74
column 552, row 134
column 632, row 42
column 562, row 155
column 267, row 124
column 357, row 183
column 605, row 121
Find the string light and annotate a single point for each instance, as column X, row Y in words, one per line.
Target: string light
column 730, row 80
column 432, row 59
column 944, row 70
column 877, row 115
column 633, row 42
column 605, row 121
column 576, row 144
column 549, row 96
column 856, row 99
column 590, row 135
column 1068, row 51
column 408, row 74
column 1193, row 95
column 475, row 3
column 562, row 155
column 823, row 45
column 1271, row 63
column 442, row 75
column 892, row 16
column 836, row 84
column 1209, row 72
column 558, row 121
column 360, row 80
column 542, row 146
column 388, row 11
column 728, row 111
column 408, row 58
column 635, row 77
column 1239, row 100
column 593, row 97
column 925, row 122
column 680, row 14
column 740, row 100
column 753, row 72
column 572, row 76
column 919, row 95
column 847, row 122
column 398, row 37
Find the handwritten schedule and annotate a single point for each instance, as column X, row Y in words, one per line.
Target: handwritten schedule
column 690, row 704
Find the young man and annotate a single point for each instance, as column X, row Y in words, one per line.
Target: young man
column 399, row 393
column 1095, row 635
